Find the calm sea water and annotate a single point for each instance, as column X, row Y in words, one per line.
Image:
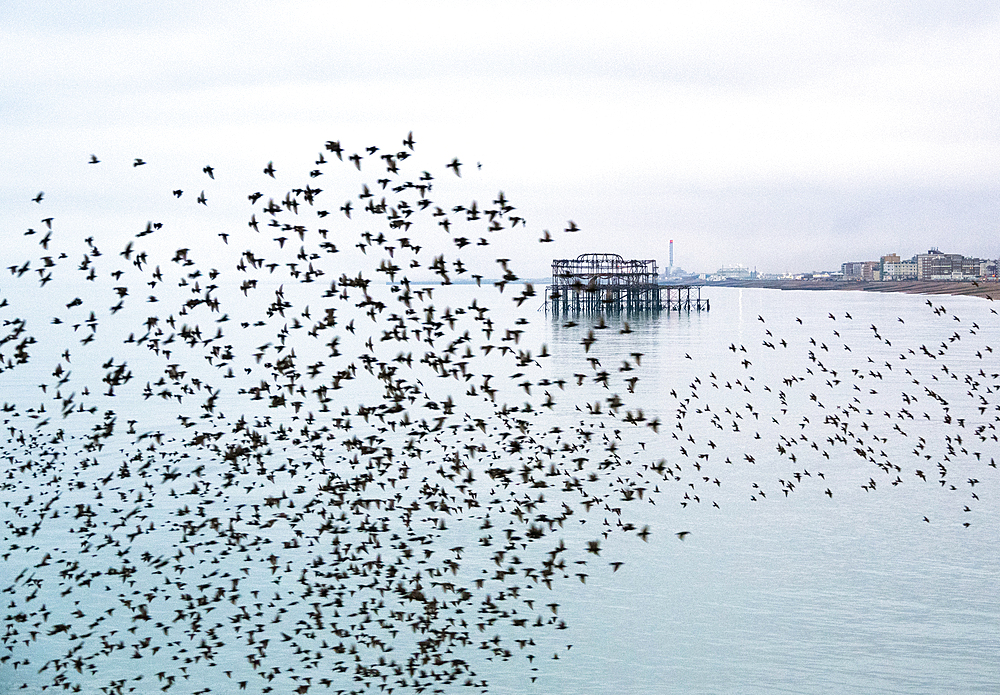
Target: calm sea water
column 817, row 573
column 808, row 593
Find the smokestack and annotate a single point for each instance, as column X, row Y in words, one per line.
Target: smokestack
column 671, row 271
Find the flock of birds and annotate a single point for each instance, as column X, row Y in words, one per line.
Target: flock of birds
column 320, row 478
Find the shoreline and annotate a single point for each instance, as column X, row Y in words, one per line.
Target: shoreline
column 985, row 290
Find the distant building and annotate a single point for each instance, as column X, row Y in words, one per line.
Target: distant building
column 935, row 265
column 859, row 271
column 733, row 272
column 894, row 268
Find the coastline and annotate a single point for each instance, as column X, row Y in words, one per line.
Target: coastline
column 985, row 290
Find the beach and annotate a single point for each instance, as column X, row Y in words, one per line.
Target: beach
column 984, row 289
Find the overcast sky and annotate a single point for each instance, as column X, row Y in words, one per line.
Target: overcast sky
column 786, row 136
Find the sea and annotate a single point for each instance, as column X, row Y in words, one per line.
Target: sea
column 797, row 493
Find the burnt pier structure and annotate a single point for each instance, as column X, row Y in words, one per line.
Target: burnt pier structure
column 606, row 282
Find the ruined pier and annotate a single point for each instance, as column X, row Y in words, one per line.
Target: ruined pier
column 606, row 282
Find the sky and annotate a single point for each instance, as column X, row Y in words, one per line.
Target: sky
column 783, row 136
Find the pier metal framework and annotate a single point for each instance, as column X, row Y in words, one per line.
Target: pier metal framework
column 678, row 298
column 600, row 282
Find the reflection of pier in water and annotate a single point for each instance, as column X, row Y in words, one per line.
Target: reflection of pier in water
column 599, row 282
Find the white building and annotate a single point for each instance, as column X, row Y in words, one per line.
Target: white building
column 900, row 270
column 733, row 272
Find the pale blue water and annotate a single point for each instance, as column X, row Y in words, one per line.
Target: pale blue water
column 228, row 467
column 768, row 594
column 854, row 593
